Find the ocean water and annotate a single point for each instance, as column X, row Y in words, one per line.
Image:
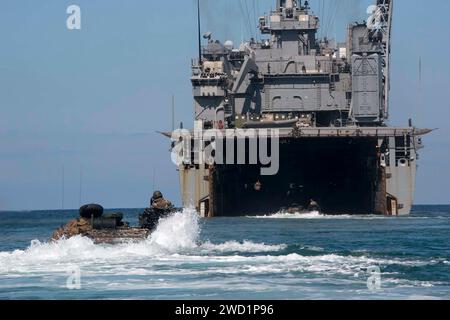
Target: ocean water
column 273, row 257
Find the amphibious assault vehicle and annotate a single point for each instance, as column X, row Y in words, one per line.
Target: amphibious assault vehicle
column 110, row 228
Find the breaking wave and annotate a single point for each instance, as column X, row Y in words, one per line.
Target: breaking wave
column 175, row 236
column 178, row 232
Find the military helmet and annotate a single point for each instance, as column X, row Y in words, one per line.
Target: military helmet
column 157, row 195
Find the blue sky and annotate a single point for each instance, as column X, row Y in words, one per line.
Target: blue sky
column 94, row 98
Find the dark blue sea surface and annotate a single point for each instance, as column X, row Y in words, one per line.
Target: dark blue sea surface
column 276, row 257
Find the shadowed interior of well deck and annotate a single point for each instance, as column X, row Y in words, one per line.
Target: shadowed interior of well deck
column 341, row 174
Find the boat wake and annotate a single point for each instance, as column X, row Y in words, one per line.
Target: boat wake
column 314, row 215
column 286, row 215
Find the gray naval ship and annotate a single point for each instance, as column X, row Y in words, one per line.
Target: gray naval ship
column 329, row 103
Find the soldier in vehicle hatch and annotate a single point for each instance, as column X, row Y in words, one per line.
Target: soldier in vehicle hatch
column 158, row 202
column 159, row 208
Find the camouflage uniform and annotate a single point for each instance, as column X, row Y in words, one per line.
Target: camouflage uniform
column 161, row 204
column 159, row 208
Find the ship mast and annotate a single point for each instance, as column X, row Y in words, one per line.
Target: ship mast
column 383, row 27
column 390, row 6
column 199, row 33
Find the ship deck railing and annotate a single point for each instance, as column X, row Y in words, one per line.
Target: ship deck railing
column 326, row 132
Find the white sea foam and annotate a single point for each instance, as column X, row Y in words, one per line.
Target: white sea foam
column 176, row 236
column 173, row 252
column 178, row 232
column 141, row 259
column 246, row 246
column 285, row 215
column 313, row 215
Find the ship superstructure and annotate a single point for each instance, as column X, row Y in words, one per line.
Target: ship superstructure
column 329, row 103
